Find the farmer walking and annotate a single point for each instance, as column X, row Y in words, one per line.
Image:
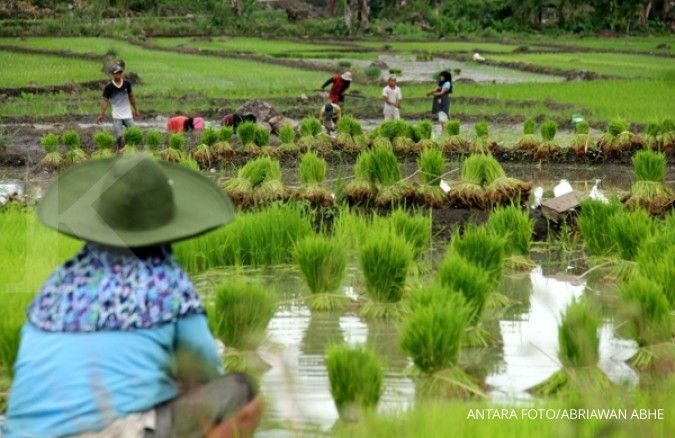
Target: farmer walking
column 118, row 94
column 392, row 99
column 340, row 85
column 103, row 336
column 441, row 103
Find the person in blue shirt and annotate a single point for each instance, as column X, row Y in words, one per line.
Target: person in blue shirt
column 441, row 94
column 104, row 334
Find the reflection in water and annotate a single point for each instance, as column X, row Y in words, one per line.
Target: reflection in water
column 531, row 340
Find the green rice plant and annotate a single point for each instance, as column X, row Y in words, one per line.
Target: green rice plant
column 581, row 127
column 431, row 334
column 385, row 259
column 482, row 248
column 457, row 274
column 322, row 261
column 50, row 142
column 654, row 261
column 225, row 133
column 262, row 136
column 481, row 129
column 189, row 162
column 209, row 136
column 312, row 168
column 154, row 139
column 246, row 132
column 594, row 223
column 378, row 165
column 529, row 127
column 260, row 170
column 667, row 125
column 649, row 166
column 202, row 155
column 71, row 139
column 653, row 128
column 103, row 140
column 356, row 375
column 452, row 127
column 12, row 318
column 403, row 145
column 548, row 130
column 423, row 130
column 177, row 142
column 310, row 126
column 582, row 144
column 241, row 312
column 414, row 229
column 629, row 230
column 53, row 159
column 286, row 134
column 646, row 313
column 395, row 128
column 616, row 127
column 133, row 136
column 481, row 169
column 373, row 73
column 431, row 163
column 514, row 226
column 349, row 125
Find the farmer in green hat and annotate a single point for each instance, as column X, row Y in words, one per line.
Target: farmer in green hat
column 107, row 324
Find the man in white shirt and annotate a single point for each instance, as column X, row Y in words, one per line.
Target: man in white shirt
column 392, row 99
column 118, row 94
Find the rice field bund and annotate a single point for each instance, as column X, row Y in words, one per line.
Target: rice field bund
column 500, row 274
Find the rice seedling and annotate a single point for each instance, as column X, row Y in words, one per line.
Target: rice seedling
column 515, row 227
column 385, row 259
column 259, row 181
column 431, row 335
column 312, row 168
column 581, row 127
column 310, row 127
column 378, row 176
column 133, row 136
column 103, row 140
column 403, row 144
column 12, row 318
column 649, row 166
column 260, row 170
column 225, row 133
column 482, row 248
column 529, row 127
column 654, row 261
column 484, row 182
column 582, row 143
column 431, row 164
column 202, row 155
column 74, row 154
column 481, row 129
column 529, row 140
column 154, row 140
column 52, row 160
column 286, row 134
column 349, row 125
column 395, row 128
column 579, row 352
column 629, row 230
column 322, row 261
column 617, row 138
column 246, row 133
column 71, row 139
column 594, row 223
column 356, row 375
column 647, row 319
column 548, row 146
column 414, row 229
column 189, row 162
column 452, row 127
column 481, row 169
column 241, row 312
column 262, row 136
column 423, row 130
column 174, row 152
column 548, row 130
column 649, row 190
column 209, row 136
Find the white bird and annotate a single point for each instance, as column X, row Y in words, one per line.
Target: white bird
column 477, row 57
column 562, row 188
column 538, row 196
column 596, row 194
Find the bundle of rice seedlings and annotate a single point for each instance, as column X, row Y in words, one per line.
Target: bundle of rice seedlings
column 431, row 164
column 423, row 130
column 209, row 136
column 241, row 312
column 52, row 160
column 650, row 137
column 392, row 129
column 452, row 127
column 414, row 229
column 154, row 140
column 252, row 181
column 431, row 335
column 582, row 143
column 505, row 190
column 202, row 155
column 189, row 162
column 649, row 190
column 310, row 127
column 104, row 141
column 262, row 136
column 579, row 352
column 647, row 319
column 481, row 129
column 458, row 275
column 528, row 141
column 312, row 172
column 133, row 137
column 593, row 222
column 403, row 144
column 378, row 177
column 322, row 261
column 74, row 153
column 655, row 261
column 515, row 227
column 348, row 128
column 385, row 259
column 12, row 318
column 548, row 145
column 355, row 375
column 629, row 230
column 222, row 151
column 225, row 133
column 667, row 136
column 174, row 152
column 287, row 138
column 246, row 133
column 617, row 138
column 482, row 248
column 484, row 182
column 452, row 141
column 481, row 169
column 382, row 142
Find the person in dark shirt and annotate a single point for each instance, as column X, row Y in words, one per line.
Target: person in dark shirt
column 340, row 85
column 119, row 96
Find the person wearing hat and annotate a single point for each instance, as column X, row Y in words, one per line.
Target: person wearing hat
column 392, row 99
column 119, row 96
column 102, row 332
column 340, row 85
column 180, row 124
column 329, row 116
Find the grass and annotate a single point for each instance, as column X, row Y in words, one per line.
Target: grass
column 241, row 313
column 356, row 377
column 514, row 226
column 594, row 224
column 322, row 262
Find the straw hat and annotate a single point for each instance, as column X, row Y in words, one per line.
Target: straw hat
column 133, row 202
column 347, row 76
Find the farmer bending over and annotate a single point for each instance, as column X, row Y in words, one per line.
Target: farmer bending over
column 340, row 85
column 179, row 124
column 329, row 116
column 118, row 95
column 109, row 325
column 237, row 119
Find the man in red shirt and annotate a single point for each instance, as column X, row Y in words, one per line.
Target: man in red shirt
column 340, row 85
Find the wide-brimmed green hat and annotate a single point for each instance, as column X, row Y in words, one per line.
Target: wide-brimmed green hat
column 133, row 202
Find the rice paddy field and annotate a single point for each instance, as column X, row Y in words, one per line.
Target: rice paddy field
column 392, row 278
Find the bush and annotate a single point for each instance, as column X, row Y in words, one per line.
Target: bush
column 310, row 126
column 286, row 134
column 50, row 142
column 456, row 274
column 355, row 376
column 246, row 132
column 209, row 136
column 529, row 127
column 322, row 262
column 177, row 142
column 515, row 226
column 154, row 139
column 432, row 164
column 578, row 336
column 649, row 166
column 481, row 129
column 312, row 168
column 452, row 127
column 241, row 313
column 71, row 139
column 133, row 136
column 548, row 130
column 262, row 136
column 385, row 259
